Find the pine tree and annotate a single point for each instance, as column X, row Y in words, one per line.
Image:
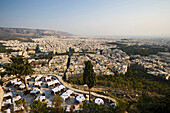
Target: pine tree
column 89, row 77
column 20, row 67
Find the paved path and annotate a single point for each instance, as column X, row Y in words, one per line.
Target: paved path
column 84, row 92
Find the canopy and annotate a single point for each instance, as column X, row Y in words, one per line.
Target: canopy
column 64, row 96
column 18, row 83
column 6, row 102
column 35, row 90
column 27, row 77
column 38, row 77
column 49, row 104
column 58, row 88
column 99, row 101
column 13, row 81
column 80, row 98
column 48, row 78
column 38, row 83
column 41, row 98
column 16, row 98
column 22, row 86
column 52, row 82
column 7, row 94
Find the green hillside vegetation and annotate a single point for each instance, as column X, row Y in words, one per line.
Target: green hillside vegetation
column 139, row 50
column 135, row 78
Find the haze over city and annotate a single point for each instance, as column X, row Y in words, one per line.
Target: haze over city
column 89, row 17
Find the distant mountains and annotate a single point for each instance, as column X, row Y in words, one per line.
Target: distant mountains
column 25, row 34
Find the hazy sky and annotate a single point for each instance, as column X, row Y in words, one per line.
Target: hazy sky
column 89, row 17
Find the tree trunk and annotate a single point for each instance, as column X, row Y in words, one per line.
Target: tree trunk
column 25, row 82
column 89, row 94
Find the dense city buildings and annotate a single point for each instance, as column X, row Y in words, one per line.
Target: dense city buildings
column 107, row 58
column 54, row 57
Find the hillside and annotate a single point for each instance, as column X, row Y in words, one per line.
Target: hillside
column 24, row 33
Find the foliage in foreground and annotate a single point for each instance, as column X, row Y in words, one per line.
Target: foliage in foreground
column 145, row 104
column 148, row 104
column 21, row 67
column 136, row 79
column 41, row 107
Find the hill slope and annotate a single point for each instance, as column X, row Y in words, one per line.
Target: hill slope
column 20, row 33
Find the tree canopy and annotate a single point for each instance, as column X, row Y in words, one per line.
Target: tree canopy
column 19, row 66
column 41, row 107
column 89, row 77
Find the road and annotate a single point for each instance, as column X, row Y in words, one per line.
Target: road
column 84, row 92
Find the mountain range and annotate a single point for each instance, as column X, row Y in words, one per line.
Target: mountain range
column 25, row 34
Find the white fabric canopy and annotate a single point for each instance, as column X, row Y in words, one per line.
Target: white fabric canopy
column 27, row 77
column 52, row 82
column 8, row 111
column 6, row 102
column 69, row 92
column 16, row 98
column 48, row 78
column 38, row 77
column 58, row 88
column 13, row 81
column 18, row 108
column 49, row 104
column 80, row 98
column 35, row 90
column 67, row 109
column 99, row 101
column 22, row 86
column 113, row 104
column 7, row 94
column 56, row 81
column 64, row 96
column 18, row 83
column 38, row 83
column 41, row 98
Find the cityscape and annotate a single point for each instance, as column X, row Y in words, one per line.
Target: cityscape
column 84, row 70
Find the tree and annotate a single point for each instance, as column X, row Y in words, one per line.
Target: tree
column 27, row 70
column 37, row 49
column 89, row 77
column 39, row 107
column 57, row 102
column 95, row 108
column 21, row 67
column 153, row 104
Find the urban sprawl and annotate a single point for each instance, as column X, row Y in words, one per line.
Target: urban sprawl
column 53, row 57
